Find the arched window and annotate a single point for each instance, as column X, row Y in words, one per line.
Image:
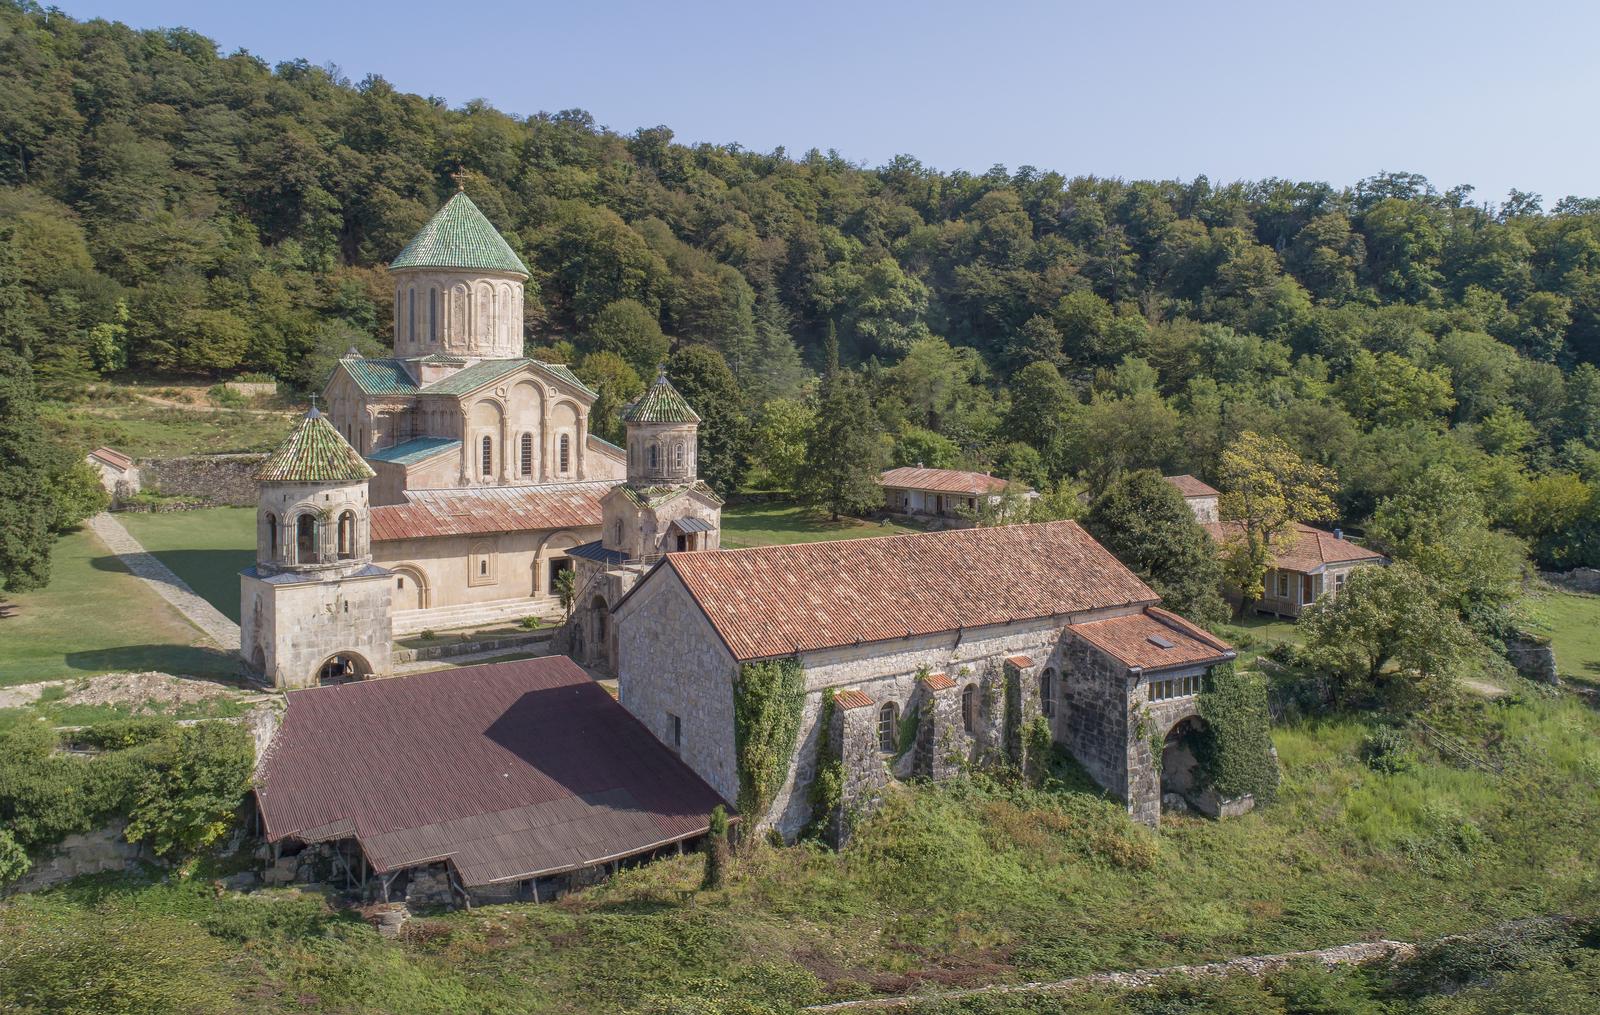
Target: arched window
column 1047, row 693
column 888, row 723
column 433, row 314
column 347, row 535
column 272, row 536
column 617, row 540
column 488, row 457
column 969, row 708
column 526, row 458
column 677, row 455
column 305, row 539
column 566, row 453
column 655, row 458
column 411, row 315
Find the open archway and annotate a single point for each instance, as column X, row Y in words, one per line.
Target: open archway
column 1180, row 763
column 343, row 667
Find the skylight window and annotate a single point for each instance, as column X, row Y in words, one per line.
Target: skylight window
column 1160, row 642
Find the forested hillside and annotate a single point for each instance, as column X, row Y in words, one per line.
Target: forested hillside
column 169, row 210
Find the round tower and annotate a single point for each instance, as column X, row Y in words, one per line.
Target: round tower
column 663, row 433
column 312, row 515
column 458, row 288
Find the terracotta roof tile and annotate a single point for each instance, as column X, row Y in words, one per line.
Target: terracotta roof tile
column 1311, row 550
column 488, row 510
column 1191, row 487
column 779, row 600
column 941, row 480
column 1020, row 662
column 938, row 682
column 314, row 452
column 1152, row 641
column 116, row 459
column 852, row 698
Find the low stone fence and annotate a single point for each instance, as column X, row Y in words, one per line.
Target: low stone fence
column 252, row 389
column 1582, row 579
column 215, row 479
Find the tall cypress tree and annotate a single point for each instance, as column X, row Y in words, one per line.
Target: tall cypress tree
column 844, row 449
column 26, row 507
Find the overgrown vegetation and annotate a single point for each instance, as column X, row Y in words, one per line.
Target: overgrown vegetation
column 1235, row 753
column 768, row 699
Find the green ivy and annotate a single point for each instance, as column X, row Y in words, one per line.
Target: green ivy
column 827, row 787
column 1235, row 754
column 1037, row 741
column 768, row 699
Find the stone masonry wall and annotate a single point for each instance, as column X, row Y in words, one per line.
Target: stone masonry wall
column 288, row 631
column 1095, row 700
column 943, row 746
column 95, row 852
column 855, row 732
column 1150, row 722
column 219, row 479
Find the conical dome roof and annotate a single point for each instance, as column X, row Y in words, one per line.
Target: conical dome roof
column 660, row 404
column 314, row 452
column 459, row 236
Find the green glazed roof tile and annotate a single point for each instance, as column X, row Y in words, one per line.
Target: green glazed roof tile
column 415, row 450
column 380, row 376
column 474, row 377
column 660, row 404
column 459, row 236
column 314, row 452
column 561, row 371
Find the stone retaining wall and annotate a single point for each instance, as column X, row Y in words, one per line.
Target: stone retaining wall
column 217, row 479
column 96, row 852
column 1583, row 579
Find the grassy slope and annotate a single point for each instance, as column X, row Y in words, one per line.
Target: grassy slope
column 206, row 548
column 947, row 885
column 94, row 617
column 1574, row 622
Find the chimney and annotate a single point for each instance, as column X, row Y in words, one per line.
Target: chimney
column 1338, row 533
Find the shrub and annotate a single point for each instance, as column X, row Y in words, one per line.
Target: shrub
column 429, row 634
column 120, row 734
column 13, row 859
column 1387, row 749
column 195, row 789
column 531, row 623
column 716, row 849
column 227, row 397
column 768, row 699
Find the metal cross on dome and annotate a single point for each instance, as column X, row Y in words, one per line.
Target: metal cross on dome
column 460, row 176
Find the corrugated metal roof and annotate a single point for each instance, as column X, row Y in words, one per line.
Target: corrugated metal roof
column 484, row 510
column 415, row 450
column 460, row 236
column 1153, row 640
column 779, row 600
column 314, row 452
column 1310, row 550
column 941, row 480
column 661, row 403
column 1191, row 487
column 509, row 770
column 687, row 524
column 596, row 551
column 379, row 376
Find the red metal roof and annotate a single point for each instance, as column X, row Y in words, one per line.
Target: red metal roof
column 1153, row 640
column 1191, row 487
column 851, row 698
column 1311, row 549
column 488, row 510
column 941, row 480
column 779, row 600
column 509, row 770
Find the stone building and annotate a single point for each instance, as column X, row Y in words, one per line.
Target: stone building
column 1201, row 497
column 485, row 472
column 117, row 473
column 972, row 633
column 314, row 607
column 662, row 508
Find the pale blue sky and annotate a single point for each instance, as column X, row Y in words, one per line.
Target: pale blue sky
column 1497, row 95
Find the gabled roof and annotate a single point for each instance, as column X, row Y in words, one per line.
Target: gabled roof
column 459, row 236
column 379, row 376
column 1311, row 550
column 530, row 768
column 660, row 403
column 1155, row 639
column 941, row 480
column 1191, row 487
column 116, row 459
column 415, row 450
column 780, row 600
column 655, row 496
column 469, row 379
column 489, row 509
column 314, row 452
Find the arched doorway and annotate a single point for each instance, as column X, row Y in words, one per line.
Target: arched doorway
column 1180, row 759
column 342, row 668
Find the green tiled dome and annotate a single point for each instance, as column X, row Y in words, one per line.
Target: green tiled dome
column 314, row 452
column 458, row 236
column 660, row 404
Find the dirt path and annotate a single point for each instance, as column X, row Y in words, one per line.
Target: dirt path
column 223, row 632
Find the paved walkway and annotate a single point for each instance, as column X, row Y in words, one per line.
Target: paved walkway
column 209, row 619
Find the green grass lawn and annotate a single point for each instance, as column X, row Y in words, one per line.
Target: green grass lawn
column 94, row 617
column 1574, row 623
column 206, row 548
column 961, row 884
column 770, row 523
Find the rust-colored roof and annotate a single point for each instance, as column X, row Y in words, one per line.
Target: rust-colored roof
column 489, row 509
column 116, row 459
column 941, row 480
column 1153, row 640
column 938, row 682
column 1311, row 551
column 852, row 698
column 1020, row 662
column 779, row 600
column 1191, row 487
column 507, row 770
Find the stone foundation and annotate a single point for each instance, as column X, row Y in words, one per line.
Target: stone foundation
column 1582, row 579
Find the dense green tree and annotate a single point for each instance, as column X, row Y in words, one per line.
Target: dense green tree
column 702, row 376
column 26, row 459
column 1144, row 521
column 781, row 429
column 627, row 329
column 618, row 384
column 1039, row 400
column 844, row 449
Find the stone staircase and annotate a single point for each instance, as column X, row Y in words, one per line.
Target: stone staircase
column 445, row 618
